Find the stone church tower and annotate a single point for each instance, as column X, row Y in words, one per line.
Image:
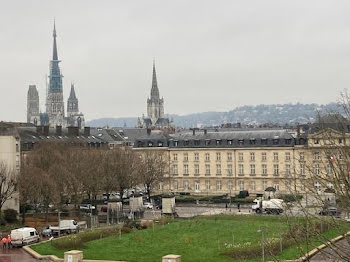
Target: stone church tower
column 55, row 110
column 33, row 112
column 155, row 104
column 155, row 108
column 54, row 100
column 72, row 105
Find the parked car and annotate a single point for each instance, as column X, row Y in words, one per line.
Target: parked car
column 24, row 236
column 111, row 196
column 87, row 207
column 328, row 211
column 46, row 231
column 148, row 205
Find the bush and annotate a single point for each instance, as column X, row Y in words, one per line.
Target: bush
column 243, row 194
column 77, row 241
column 10, row 215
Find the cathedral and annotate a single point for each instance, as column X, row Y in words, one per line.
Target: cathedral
column 155, row 108
column 55, row 110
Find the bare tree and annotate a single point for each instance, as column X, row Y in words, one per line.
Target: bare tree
column 322, row 178
column 8, row 182
column 154, row 170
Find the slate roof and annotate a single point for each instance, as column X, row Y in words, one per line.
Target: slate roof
column 130, row 134
column 229, row 139
column 29, row 136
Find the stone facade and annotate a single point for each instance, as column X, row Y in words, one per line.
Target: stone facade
column 10, row 157
column 217, row 163
column 155, row 108
column 33, row 111
column 55, row 108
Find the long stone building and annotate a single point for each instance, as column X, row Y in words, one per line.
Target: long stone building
column 227, row 162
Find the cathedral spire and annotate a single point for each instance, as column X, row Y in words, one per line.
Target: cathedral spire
column 154, row 90
column 72, row 92
column 54, row 56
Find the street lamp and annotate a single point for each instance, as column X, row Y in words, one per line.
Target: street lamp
column 262, row 244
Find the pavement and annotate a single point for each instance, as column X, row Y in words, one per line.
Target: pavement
column 16, row 255
column 339, row 253
column 190, row 211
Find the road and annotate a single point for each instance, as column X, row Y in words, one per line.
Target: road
column 16, row 255
column 190, row 211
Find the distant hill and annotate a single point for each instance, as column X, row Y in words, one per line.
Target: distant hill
column 260, row 114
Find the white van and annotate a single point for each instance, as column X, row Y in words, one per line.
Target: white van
column 24, row 236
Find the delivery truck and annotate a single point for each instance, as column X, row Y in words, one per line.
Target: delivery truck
column 65, row 226
column 271, row 206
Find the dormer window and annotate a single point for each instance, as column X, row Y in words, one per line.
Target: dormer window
column 288, row 141
column 316, row 141
column 186, row 143
column 160, row 143
column 264, row 141
column 176, row 143
column 150, row 143
column 196, row 142
column 275, row 141
column 240, row 142
column 218, row 142
column 207, row 142
column 229, row 142
column 252, row 141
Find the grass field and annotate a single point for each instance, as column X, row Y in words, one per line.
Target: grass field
column 198, row 239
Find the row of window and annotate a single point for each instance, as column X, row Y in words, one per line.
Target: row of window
column 218, row 142
column 252, row 156
column 229, row 172
column 218, row 185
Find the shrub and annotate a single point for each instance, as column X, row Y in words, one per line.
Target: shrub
column 10, row 215
column 78, row 240
column 243, row 194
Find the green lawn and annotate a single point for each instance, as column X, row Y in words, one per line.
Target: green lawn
column 198, row 239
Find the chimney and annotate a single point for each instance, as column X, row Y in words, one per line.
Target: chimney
column 39, row 129
column 58, row 130
column 149, row 131
column 205, row 131
column 193, row 131
column 73, row 131
column 46, row 130
column 87, row 131
column 298, row 131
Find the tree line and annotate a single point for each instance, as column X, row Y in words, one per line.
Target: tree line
column 55, row 173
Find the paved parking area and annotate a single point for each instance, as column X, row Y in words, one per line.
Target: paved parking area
column 192, row 211
column 16, row 255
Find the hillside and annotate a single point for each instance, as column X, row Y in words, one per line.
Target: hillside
column 260, row 114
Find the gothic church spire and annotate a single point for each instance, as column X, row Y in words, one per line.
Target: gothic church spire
column 54, row 56
column 154, row 89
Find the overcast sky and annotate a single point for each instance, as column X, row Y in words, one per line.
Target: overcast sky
column 210, row 55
